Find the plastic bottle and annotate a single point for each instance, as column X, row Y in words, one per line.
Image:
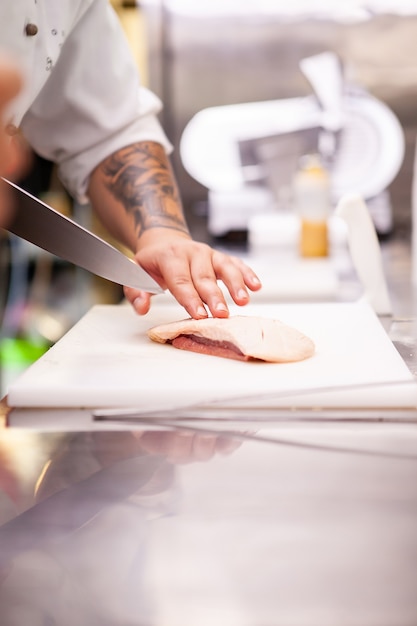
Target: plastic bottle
column 311, row 191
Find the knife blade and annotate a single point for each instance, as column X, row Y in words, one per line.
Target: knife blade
column 40, row 224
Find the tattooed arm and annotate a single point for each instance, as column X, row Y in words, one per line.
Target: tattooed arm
column 135, row 194
column 139, row 180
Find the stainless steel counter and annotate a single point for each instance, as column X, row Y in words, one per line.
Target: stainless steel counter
column 300, row 527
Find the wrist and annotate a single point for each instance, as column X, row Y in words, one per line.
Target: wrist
column 161, row 234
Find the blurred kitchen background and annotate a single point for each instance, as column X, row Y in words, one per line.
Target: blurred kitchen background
column 240, row 108
column 209, row 54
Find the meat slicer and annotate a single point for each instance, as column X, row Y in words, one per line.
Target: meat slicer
column 246, row 154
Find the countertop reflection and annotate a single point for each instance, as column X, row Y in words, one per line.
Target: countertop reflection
column 173, row 527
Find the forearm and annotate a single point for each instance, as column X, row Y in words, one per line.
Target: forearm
column 134, row 192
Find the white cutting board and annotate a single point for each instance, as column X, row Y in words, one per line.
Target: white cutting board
column 106, row 360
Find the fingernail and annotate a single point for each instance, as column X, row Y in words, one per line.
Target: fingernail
column 220, row 306
column 137, row 302
column 242, row 294
column 201, row 311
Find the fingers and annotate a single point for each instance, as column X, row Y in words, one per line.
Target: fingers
column 193, row 283
column 205, row 272
column 140, row 300
column 236, row 275
column 192, row 271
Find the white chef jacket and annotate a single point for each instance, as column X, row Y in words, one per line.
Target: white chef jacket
column 82, row 98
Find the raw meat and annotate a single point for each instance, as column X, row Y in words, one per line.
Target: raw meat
column 237, row 337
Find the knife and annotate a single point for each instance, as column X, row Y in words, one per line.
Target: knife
column 40, row 224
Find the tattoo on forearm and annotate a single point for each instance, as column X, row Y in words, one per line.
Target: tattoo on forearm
column 140, row 178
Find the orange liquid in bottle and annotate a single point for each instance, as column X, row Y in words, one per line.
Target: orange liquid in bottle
column 314, row 241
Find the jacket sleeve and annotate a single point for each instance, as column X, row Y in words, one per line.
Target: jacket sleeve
column 93, row 103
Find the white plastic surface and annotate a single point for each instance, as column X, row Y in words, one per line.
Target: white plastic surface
column 106, row 360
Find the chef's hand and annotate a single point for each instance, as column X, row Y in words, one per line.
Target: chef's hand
column 190, row 270
column 136, row 196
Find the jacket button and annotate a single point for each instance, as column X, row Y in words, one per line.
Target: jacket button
column 31, row 30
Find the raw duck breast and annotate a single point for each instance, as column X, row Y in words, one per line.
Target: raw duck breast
column 237, row 337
